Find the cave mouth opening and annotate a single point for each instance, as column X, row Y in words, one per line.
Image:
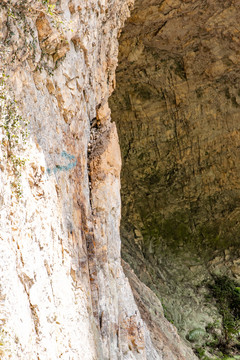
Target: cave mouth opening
column 176, row 106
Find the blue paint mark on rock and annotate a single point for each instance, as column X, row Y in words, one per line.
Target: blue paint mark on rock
column 69, row 166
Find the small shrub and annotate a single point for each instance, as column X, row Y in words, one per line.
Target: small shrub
column 196, row 334
column 226, row 293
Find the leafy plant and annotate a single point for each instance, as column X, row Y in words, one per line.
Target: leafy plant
column 227, row 296
column 58, row 21
column 196, row 334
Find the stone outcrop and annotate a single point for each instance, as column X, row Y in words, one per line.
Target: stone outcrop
column 163, row 334
column 176, row 106
column 63, row 292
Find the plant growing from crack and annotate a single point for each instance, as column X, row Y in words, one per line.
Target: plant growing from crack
column 226, row 293
column 50, row 10
column 14, row 135
column 22, row 41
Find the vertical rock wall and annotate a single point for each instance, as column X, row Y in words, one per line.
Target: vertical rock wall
column 63, row 293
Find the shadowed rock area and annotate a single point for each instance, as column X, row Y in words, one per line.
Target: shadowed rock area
column 177, row 109
column 63, row 291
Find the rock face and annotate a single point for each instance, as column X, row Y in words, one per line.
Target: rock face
column 177, row 106
column 163, row 334
column 63, row 291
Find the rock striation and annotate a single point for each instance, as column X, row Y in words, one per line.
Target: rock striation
column 63, row 292
column 176, row 106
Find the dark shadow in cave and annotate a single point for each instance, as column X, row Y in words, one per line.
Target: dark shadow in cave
column 176, row 107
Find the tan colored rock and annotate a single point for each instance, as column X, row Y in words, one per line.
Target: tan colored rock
column 164, row 335
column 63, row 291
column 55, row 303
column 51, row 41
column 176, row 106
column 236, row 271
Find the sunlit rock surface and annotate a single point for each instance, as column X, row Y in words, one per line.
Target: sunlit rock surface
column 63, row 293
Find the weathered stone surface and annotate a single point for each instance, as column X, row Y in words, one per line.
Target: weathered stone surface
column 177, row 111
column 63, row 292
column 164, row 335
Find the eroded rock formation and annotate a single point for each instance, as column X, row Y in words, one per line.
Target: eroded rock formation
column 177, row 106
column 63, row 292
column 62, row 289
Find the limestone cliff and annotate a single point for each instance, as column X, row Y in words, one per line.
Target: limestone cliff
column 177, row 106
column 62, row 289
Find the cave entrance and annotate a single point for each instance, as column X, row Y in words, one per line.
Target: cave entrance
column 176, row 106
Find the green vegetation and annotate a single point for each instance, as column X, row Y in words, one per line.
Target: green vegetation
column 18, row 15
column 50, row 10
column 196, row 334
column 222, row 340
column 14, row 135
column 20, row 26
column 50, row 7
column 226, row 293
